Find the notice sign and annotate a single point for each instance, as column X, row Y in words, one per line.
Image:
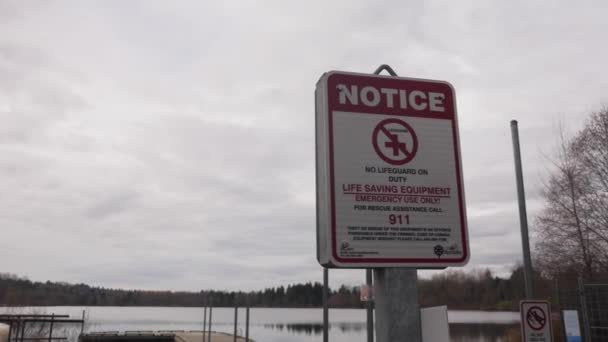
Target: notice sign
column 389, row 179
column 535, row 321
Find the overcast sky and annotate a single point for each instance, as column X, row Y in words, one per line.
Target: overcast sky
column 170, row 144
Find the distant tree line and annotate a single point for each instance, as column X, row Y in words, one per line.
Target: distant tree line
column 457, row 289
column 15, row 290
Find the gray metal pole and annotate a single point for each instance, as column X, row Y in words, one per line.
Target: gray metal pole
column 23, row 331
column 523, row 217
column 204, row 321
column 82, row 325
column 396, row 295
column 247, row 324
column 17, row 328
column 210, row 317
column 325, row 305
column 396, row 299
column 585, row 313
column 369, row 307
column 51, row 328
column 236, row 318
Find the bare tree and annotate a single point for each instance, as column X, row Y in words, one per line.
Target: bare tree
column 592, row 146
column 572, row 227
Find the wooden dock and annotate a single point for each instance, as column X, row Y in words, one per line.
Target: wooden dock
column 215, row 337
column 160, row 336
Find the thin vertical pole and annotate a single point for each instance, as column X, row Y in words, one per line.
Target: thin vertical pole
column 325, row 305
column 210, row 317
column 51, row 328
column 247, row 324
column 17, row 329
column 369, row 306
column 82, row 324
column 10, row 330
column 236, row 315
column 523, row 217
column 22, row 330
column 204, row 321
column 585, row 314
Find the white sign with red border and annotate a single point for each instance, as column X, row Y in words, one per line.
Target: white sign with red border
column 389, row 176
column 536, row 321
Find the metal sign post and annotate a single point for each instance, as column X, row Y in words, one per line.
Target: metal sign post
column 204, row 321
column 369, row 306
column 396, row 299
column 210, row 320
column 523, row 217
column 325, row 304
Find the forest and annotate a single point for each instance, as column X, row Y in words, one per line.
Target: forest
column 458, row 289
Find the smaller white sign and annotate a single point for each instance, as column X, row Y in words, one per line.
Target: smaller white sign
column 536, row 321
column 573, row 329
column 434, row 321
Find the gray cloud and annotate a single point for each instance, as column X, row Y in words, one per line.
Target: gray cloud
column 171, row 145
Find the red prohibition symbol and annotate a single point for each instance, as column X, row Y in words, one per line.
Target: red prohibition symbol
column 395, row 141
column 536, row 318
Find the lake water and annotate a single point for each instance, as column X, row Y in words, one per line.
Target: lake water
column 278, row 325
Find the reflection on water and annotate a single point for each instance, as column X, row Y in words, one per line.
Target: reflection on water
column 480, row 332
column 299, row 328
column 282, row 325
column 458, row 331
column 315, row 328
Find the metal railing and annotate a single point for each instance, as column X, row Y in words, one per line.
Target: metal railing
column 590, row 300
column 207, row 323
column 18, row 324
